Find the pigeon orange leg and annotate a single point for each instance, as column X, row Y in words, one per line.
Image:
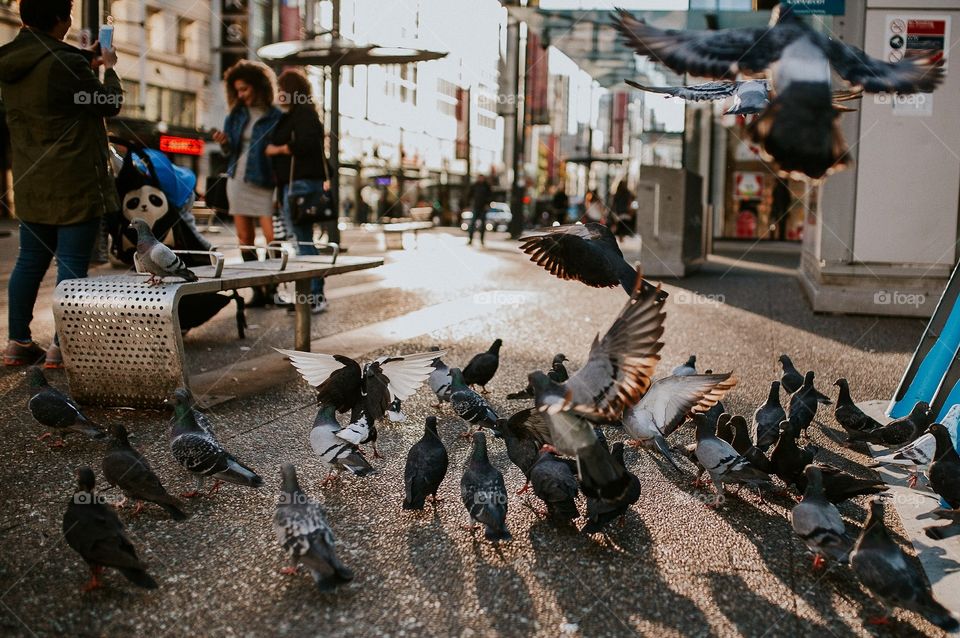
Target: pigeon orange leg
column 44, row 436
column 329, row 479
column 288, row 571
column 523, row 490
column 138, row 508
column 818, row 561
column 912, row 481
column 94, row 582
column 468, row 434
column 376, row 453
column 433, row 499
column 190, row 494
column 634, row 443
column 483, row 390
column 58, row 443
column 216, row 486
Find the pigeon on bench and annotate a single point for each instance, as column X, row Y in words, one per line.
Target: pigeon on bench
column 156, row 258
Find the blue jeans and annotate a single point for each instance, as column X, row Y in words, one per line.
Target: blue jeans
column 302, row 232
column 39, row 243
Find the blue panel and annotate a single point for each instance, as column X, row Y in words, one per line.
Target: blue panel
column 934, row 367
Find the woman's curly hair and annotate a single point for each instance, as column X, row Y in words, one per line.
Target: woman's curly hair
column 295, row 84
column 258, row 75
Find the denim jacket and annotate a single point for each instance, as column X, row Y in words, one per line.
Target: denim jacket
column 259, row 170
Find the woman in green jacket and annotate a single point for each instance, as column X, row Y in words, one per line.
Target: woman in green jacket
column 55, row 105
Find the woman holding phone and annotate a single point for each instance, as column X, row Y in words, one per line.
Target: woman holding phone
column 245, row 136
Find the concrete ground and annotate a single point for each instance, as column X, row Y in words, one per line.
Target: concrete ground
column 675, row 567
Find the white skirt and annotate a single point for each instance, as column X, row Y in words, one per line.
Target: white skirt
column 249, row 200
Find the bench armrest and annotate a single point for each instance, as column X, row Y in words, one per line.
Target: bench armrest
column 269, row 248
column 319, row 245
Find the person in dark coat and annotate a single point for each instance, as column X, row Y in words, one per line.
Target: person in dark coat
column 623, row 211
column 560, row 204
column 480, row 196
column 298, row 140
column 55, row 108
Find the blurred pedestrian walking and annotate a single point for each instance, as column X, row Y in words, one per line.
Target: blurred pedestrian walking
column 480, row 196
column 560, row 204
column 623, row 215
column 594, row 210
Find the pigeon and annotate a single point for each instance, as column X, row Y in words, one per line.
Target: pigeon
column 94, row 531
column 558, row 374
column 848, row 415
column 918, row 454
column 941, row 532
column 615, row 376
column 724, row 429
column 839, row 486
column 156, row 258
column 900, row 431
column 126, row 468
column 198, row 451
column 426, row 466
column 788, row 460
column 603, row 511
column 554, row 483
column 745, row 447
column 889, row 574
column 945, row 468
column 791, row 379
column 483, row 366
column 342, row 383
column 483, row 492
column 667, row 403
column 588, row 253
column 524, row 433
column 803, row 405
column 361, row 430
column 394, row 414
column 722, row 462
column 767, row 418
column 818, row 524
column 439, row 379
column 470, row 406
column 303, row 532
column 335, row 453
column 55, row 410
column 798, row 130
column 689, row 367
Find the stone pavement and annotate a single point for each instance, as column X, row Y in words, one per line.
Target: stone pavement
column 675, row 568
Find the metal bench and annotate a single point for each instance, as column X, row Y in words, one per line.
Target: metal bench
column 121, row 338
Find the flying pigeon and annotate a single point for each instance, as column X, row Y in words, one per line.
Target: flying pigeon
column 426, row 466
column 848, row 414
column 818, row 524
column 603, row 511
column 889, row 574
column 554, row 483
column 93, row 529
column 156, row 258
column 470, row 406
column 798, row 130
column 335, row 453
column 791, row 379
column 303, row 532
column 483, row 366
column 342, row 383
column 126, row 468
column 803, row 405
column 55, row 410
column 689, row 367
column 439, row 379
column 722, row 462
column 945, row 468
column 558, row 374
column 900, row 431
column 667, row 403
column 767, row 418
column 588, row 253
column 198, row 451
column 483, row 492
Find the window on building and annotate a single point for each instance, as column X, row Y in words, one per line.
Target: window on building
column 186, row 37
column 178, row 108
column 447, row 97
column 154, row 29
column 408, row 83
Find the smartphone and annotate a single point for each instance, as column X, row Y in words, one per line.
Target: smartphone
column 106, row 35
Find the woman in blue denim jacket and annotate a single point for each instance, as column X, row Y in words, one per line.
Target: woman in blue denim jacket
column 245, row 136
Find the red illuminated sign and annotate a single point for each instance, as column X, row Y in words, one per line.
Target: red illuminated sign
column 181, row 145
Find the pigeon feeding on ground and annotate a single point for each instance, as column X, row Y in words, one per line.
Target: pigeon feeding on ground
column 900, row 431
column 848, row 414
column 303, row 532
column 555, row 484
column 791, row 379
column 426, row 466
column 483, row 366
column 93, row 529
column 945, row 468
column 483, row 492
column 603, row 511
column 342, row 383
column 798, row 130
column 470, row 406
column 198, row 451
column 803, row 405
column 722, row 462
column 126, row 468
column 687, row 368
column 336, row 453
column 156, row 258
column 439, row 379
column 818, row 523
column 767, row 418
column 588, row 253
column 524, row 433
column 55, row 410
column 666, row 405
column 558, row 374
column 888, row 573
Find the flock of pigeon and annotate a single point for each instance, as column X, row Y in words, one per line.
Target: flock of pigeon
column 787, row 70
column 557, row 441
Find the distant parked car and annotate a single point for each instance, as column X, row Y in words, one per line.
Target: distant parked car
column 498, row 217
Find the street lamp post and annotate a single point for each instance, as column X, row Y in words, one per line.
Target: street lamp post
column 334, row 230
column 519, row 139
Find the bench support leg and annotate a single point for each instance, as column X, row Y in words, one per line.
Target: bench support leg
column 302, row 312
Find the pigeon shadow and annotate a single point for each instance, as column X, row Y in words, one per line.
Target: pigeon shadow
column 502, row 594
column 732, row 595
column 436, row 562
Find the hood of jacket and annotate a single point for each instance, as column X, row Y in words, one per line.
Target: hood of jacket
column 22, row 54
